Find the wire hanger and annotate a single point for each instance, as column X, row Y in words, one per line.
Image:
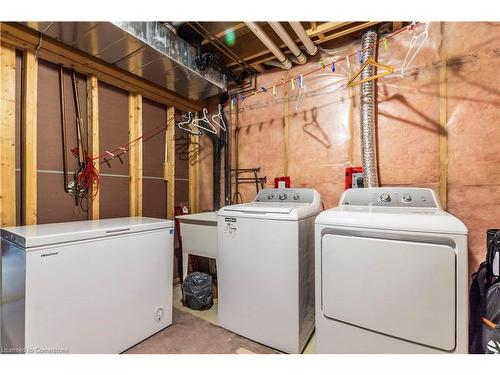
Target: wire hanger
column 204, row 119
column 370, row 61
column 184, row 125
column 420, row 38
column 221, row 124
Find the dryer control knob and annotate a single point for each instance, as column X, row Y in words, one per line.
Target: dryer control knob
column 406, row 198
column 296, row 197
column 270, row 196
column 282, row 196
column 385, row 197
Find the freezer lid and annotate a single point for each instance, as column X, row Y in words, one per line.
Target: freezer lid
column 33, row 236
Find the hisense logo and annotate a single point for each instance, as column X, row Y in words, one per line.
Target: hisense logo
column 48, row 254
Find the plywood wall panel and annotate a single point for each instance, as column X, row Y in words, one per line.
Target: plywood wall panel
column 113, row 125
column 154, row 192
column 113, row 132
column 153, row 150
column 49, row 137
column 114, row 192
column 54, row 205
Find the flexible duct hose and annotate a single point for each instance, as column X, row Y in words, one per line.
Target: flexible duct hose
column 368, row 145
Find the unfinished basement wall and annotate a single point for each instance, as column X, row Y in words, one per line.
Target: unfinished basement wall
column 447, row 142
column 53, row 203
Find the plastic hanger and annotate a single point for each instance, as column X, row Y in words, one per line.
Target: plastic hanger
column 370, row 61
column 221, row 124
column 185, row 125
column 204, row 119
column 302, row 93
column 420, row 38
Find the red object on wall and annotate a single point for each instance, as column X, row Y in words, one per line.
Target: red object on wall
column 353, row 177
column 279, row 181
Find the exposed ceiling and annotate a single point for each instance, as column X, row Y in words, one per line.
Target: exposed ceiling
column 168, row 53
column 240, row 49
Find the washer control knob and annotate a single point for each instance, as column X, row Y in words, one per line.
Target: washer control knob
column 282, row 196
column 270, row 196
column 296, row 197
column 406, row 198
column 385, row 197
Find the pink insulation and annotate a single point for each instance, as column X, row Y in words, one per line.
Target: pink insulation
column 323, row 135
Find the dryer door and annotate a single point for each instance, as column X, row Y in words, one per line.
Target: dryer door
column 402, row 289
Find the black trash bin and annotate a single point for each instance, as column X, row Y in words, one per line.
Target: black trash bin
column 197, row 291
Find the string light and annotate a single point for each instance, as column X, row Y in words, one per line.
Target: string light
column 360, row 58
column 333, row 66
column 322, row 62
column 386, row 45
column 293, row 84
column 274, row 90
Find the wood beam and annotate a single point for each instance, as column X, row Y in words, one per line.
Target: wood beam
column 397, row 26
column 169, row 166
column 93, row 141
column 443, row 120
column 286, row 128
column 7, row 136
column 194, row 172
column 29, row 137
column 135, row 154
column 56, row 52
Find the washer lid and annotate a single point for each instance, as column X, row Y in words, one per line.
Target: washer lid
column 49, row 234
column 431, row 220
column 264, row 208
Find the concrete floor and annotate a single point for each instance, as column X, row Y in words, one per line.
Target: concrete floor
column 211, row 316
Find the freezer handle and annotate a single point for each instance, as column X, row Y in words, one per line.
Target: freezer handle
column 118, row 230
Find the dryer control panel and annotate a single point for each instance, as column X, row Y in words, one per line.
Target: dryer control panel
column 390, row 197
column 286, row 195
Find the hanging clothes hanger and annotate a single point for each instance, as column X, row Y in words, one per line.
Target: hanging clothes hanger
column 221, row 124
column 302, row 93
column 416, row 44
column 184, row 125
column 196, row 122
column 370, row 61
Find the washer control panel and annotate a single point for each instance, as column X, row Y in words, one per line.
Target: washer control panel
column 285, row 195
column 390, row 197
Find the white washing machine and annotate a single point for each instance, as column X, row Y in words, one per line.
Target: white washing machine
column 391, row 274
column 265, row 267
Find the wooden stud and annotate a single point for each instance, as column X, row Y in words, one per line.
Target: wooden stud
column 169, row 171
column 397, row 26
column 56, row 52
column 93, row 132
column 443, row 119
column 7, row 136
column 285, row 130
column 29, row 137
column 135, row 154
column 194, row 172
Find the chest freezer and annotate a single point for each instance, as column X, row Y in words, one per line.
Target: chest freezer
column 96, row 286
